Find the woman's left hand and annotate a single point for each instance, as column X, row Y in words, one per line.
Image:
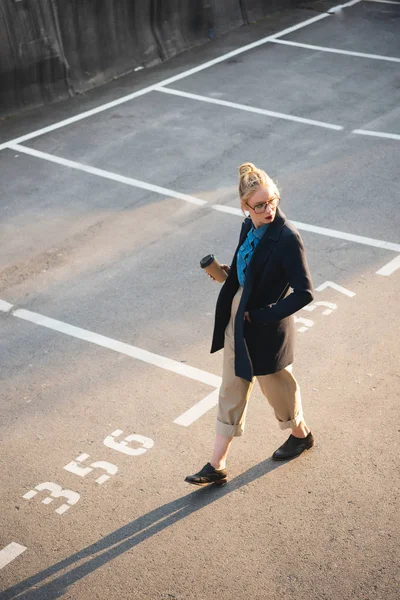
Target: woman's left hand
column 247, row 317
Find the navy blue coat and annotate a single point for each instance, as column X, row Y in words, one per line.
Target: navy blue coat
column 277, row 284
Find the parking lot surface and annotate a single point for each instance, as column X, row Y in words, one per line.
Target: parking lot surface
column 108, row 389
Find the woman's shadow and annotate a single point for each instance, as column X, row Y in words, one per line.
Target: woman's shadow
column 125, row 538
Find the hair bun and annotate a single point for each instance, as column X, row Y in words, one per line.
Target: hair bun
column 251, row 179
column 246, row 169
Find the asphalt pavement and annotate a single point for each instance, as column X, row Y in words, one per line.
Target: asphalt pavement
column 108, row 389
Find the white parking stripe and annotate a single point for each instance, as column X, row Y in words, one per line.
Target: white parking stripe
column 106, row 342
column 178, row 77
column 107, row 174
column 380, row 134
column 347, row 5
column 391, row 267
column 384, row 2
column 5, row 306
column 251, row 109
column 342, row 235
column 198, row 410
column 231, row 210
column 10, row 552
column 337, row 51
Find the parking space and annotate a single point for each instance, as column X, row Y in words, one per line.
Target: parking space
column 46, row 208
column 303, row 82
column 107, row 342
column 189, row 146
column 366, row 27
column 197, row 149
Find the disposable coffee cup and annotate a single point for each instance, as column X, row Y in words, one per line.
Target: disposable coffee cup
column 210, row 264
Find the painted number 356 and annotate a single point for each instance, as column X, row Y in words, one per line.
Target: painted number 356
column 132, row 445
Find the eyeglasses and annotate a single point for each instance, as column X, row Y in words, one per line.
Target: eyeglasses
column 262, row 206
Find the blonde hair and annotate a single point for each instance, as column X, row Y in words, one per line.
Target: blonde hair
column 251, row 179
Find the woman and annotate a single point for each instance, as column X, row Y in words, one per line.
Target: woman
column 267, row 282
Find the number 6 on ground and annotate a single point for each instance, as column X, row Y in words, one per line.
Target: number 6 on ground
column 146, row 443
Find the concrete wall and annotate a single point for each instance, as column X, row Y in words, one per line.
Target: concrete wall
column 52, row 48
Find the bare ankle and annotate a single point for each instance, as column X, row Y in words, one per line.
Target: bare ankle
column 218, row 465
column 301, row 431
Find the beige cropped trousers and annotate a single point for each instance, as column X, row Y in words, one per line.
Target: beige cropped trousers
column 281, row 390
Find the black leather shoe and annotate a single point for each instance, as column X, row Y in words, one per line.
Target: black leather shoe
column 208, row 475
column 293, row 447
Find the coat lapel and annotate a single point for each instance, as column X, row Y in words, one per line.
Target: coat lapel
column 246, row 226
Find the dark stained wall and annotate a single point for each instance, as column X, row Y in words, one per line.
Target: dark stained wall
column 52, row 48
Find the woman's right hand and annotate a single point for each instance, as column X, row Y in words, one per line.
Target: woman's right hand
column 226, row 268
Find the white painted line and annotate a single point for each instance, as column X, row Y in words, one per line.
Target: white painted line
column 338, row 8
column 251, row 109
column 347, row 5
column 335, row 286
column 380, row 134
column 107, row 174
column 391, row 267
column 106, row 342
column 178, row 77
column 5, row 306
column 384, row 2
column 198, row 410
column 337, row 51
column 10, row 552
column 342, row 235
column 228, row 209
